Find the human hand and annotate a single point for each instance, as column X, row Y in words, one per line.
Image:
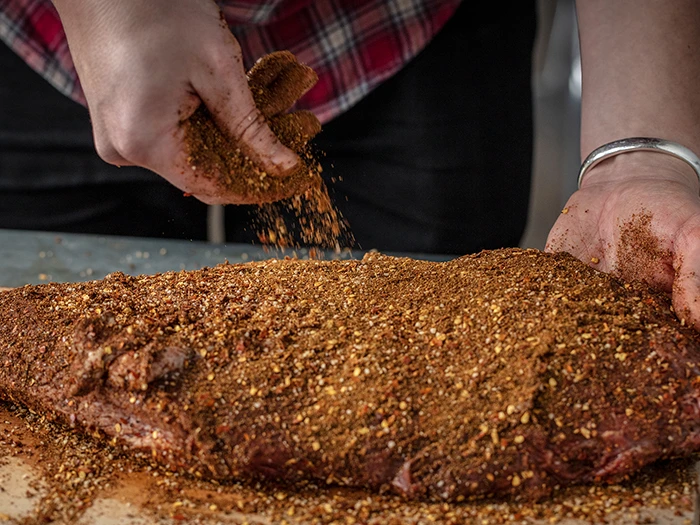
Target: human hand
column 637, row 216
column 145, row 67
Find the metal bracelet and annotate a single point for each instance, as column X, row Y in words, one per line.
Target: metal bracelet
column 639, row 144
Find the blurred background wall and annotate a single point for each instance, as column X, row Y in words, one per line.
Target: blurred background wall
column 557, row 103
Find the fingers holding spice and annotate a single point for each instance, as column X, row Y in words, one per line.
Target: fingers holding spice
column 295, row 129
column 227, row 161
column 151, row 69
column 216, row 161
column 228, row 96
column 278, row 80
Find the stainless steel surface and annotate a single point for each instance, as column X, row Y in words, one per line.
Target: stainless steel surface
column 40, row 257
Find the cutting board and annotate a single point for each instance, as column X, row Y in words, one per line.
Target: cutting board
column 138, row 497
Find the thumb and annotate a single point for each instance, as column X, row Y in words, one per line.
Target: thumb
column 686, row 287
column 226, row 94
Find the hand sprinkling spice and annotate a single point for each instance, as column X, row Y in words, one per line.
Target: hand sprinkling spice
column 276, row 82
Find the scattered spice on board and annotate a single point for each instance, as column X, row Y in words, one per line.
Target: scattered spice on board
column 61, row 494
column 303, row 214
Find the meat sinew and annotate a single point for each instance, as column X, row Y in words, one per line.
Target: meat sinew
column 506, row 372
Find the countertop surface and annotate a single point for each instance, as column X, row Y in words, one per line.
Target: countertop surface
column 39, row 257
column 28, row 257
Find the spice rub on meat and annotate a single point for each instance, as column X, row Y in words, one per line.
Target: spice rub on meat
column 504, row 373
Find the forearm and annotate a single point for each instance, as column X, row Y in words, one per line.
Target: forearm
column 641, row 71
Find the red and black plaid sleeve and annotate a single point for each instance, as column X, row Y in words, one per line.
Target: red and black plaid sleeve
column 33, row 30
column 353, row 45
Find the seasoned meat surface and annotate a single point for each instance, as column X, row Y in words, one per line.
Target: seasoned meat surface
column 503, row 373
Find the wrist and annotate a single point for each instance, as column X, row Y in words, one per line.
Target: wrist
column 638, row 166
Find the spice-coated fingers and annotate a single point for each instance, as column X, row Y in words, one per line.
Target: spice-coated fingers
column 268, row 67
column 295, row 129
column 277, row 81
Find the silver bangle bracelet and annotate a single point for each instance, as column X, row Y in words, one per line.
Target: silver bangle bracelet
column 639, row 144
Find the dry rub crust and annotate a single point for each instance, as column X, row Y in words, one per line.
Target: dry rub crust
column 498, row 374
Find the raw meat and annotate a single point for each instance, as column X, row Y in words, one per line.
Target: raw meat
column 504, row 373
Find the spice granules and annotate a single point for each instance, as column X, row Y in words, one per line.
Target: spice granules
column 640, row 255
column 506, row 373
column 152, row 493
column 306, row 216
column 276, row 81
column 310, row 219
column 212, row 153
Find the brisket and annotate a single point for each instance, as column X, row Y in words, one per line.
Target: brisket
column 504, row 373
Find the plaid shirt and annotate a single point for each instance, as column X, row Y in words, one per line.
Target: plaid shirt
column 353, row 45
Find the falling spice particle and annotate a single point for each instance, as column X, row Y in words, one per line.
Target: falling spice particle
column 295, row 210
